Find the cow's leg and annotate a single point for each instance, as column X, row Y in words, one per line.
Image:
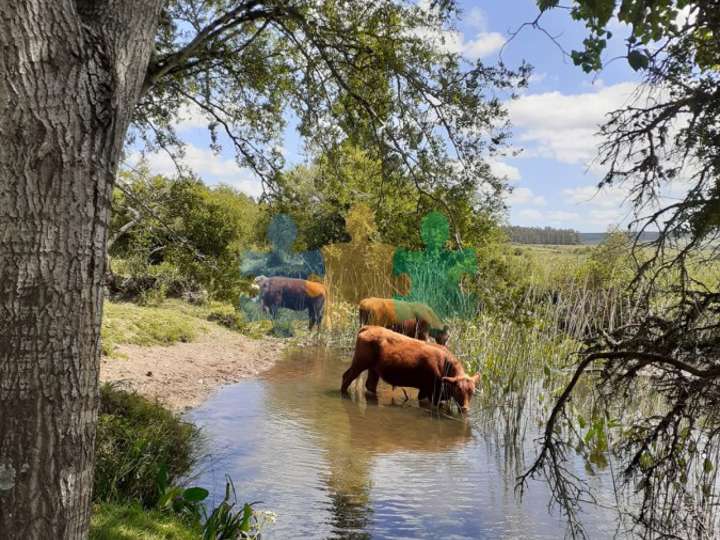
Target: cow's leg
column 437, row 393
column 316, row 310
column 372, row 381
column 422, row 330
column 311, row 316
column 352, row 373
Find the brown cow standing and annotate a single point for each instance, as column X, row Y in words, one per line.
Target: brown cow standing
column 403, row 361
column 413, row 319
column 295, row 294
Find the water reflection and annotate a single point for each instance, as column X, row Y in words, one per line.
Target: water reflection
column 351, row 468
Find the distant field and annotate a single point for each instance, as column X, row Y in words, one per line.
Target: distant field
column 591, row 239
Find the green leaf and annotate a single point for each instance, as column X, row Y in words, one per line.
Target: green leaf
column 544, row 5
column 195, row 494
column 638, row 60
column 707, row 465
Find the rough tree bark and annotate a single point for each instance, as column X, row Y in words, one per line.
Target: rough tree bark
column 71, row 72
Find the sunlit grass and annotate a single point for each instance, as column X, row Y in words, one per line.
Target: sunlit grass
column 132, row 522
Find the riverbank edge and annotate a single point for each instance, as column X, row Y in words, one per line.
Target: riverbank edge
column 181, row 376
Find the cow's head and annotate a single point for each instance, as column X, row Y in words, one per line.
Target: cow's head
column 442, row 336
column 256, row 286
column 462, row 388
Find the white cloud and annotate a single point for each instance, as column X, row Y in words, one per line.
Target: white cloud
column 559, row 216
column 601, row 208
column 505, row 170
column 190, row 116
column 556, row 218
column 531, row 214
column 455, row 42
column 212, row 168
column 537, row 77
column 563, row 126
column 525, row 196
column 607, row 216
column 607, row 197
column 476, row 18
column 484, row 44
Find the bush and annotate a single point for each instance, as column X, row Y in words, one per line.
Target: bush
column 227, row 316
column 137, row 441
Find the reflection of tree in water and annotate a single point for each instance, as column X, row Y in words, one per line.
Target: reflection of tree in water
column 350, row 516
column 354, row 433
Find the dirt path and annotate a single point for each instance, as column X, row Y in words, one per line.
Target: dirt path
column 183, row 375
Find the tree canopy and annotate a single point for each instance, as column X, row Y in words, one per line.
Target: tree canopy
column 375, row 75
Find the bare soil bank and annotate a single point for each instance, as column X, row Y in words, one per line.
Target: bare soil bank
column 183, row 375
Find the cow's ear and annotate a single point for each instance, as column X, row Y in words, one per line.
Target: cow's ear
column 475, row 378
column 451, row 380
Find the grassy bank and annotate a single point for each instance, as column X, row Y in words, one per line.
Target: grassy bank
column 169, row 321
column 114, row 521
column 142, row 453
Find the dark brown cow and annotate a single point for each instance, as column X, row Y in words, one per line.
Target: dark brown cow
column 295, row 294
column 403, row 361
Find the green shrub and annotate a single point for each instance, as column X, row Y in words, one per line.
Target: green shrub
column 250, row 309
column 282, row 328
column 136, row 441
column 227, row 316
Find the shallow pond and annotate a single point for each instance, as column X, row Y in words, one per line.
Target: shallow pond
column 332, row 467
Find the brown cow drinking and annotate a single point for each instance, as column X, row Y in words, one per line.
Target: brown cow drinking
column 403, row 361
column 295, row 294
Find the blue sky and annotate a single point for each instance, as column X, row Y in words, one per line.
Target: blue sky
column 554, row 120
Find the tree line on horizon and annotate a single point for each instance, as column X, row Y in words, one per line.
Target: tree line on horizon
column 542, row 235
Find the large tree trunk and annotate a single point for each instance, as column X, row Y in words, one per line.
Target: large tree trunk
column 70, row 75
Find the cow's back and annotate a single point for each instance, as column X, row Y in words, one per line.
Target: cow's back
column 378, row 311
column 287, row 292
column 397, row 357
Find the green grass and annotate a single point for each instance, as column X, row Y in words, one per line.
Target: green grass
column 127, row 323
column 136, row 440
column 132, row 522
column 174, row 321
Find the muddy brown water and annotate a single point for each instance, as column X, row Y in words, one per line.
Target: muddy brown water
column 332, row 467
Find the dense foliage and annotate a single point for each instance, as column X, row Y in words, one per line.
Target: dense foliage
column 181, row 234
column 371, row 81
